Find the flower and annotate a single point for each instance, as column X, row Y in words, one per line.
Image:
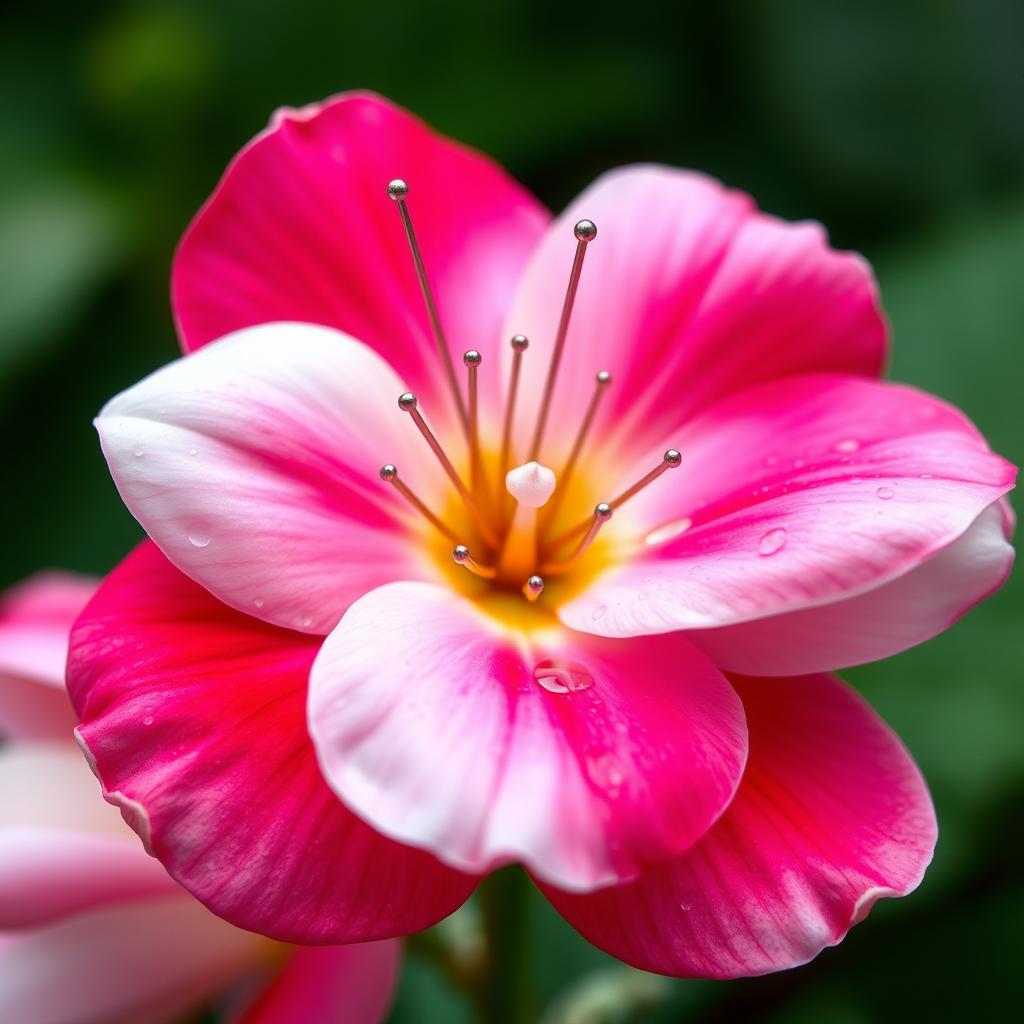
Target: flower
column 91, row 929
column 368, row 654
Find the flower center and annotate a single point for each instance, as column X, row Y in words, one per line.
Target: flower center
column 513, row 527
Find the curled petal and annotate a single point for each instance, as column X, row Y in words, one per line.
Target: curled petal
column 194, row 718
column 832, row 814
column 583, row 758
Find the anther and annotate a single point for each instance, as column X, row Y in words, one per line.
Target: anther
column 602, row 379
column 520, row 343
column 398, row 190
column 670, row 460
column 602, row 513
column 407, row 403
column 585, row 231
column 389, row 474
column 533, row 588
column 461, row 556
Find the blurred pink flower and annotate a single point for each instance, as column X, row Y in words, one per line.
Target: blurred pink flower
column 327, row 731
column 92, row 929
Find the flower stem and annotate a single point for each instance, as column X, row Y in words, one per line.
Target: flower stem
column 504, row 994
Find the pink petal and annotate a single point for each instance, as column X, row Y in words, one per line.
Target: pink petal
column 194, row 717
column 688, row 294
column 114, row 962
column 62, row 849
column 301, row 228
column 583, row 758
column 897, row 615
column 832, row 814
column 35, row 619
column 797, row 494
column 254, row 462
column 351, row 984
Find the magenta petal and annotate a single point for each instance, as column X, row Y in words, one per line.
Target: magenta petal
column 194, row 718
column 35, row 620
column 832, row 814
column 688, row 295
column 301, row 228
column 584, row 758
column 352, row 984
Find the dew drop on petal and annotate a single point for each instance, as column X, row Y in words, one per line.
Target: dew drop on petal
column 193, row 451
column 558, row 675
column 771, row 460
column 772, row 542
column 259, row 602
column 668, row 531
column 599, row 612
column 148, row 720
column 885, row 493
column 307, row 622
column 848, row 444
column 605, row 771
column 198, row 537
column 139, row 452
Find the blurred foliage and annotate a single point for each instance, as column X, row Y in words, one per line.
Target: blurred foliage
column 899, row 125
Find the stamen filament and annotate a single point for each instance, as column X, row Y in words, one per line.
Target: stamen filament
column 602, row 513
column 585, row 232
column 533, row 588
column 603, row 378
column 472, row 360
column 407, row 402
column 671, row 460
column 389, row 474
column 461, row 556
column 398, row 190
column 519, row 345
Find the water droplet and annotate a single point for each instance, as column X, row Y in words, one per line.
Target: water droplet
column 598, row 612
column 193, row 451
column 885, row 493
column 668, row 531
column 259, row 602
column 139, row 452
column 148, row 720
column 772, row 542
column 605, row 771
column 848, row 444
column 307, row 622
column 558, row 675
column 799, row 463
column 771, row 460
column 198, row 537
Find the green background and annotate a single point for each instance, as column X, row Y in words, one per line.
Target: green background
column 900, row 125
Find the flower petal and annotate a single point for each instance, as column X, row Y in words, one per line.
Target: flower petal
column 301, row 228
column 35, row 619
column 354, row 984
column 62, row 849
column 910, row 610
column 832, row 814
column 254, row 462
column 797, row 494
column 194, row 717
column 583, row 758
column 688, row 294
column 110, row 963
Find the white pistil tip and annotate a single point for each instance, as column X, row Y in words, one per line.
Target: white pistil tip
column 531, row 485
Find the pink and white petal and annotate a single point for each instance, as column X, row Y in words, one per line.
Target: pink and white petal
column 585, row 759
column 116, row 962
column 194, row 719
column 254, row 464
column 32, row 710
column 688, row 294
column 908, row 611
column 354, row 984
column 795, row 495
column 62, row 849
column 301, row 228
column 832, row 815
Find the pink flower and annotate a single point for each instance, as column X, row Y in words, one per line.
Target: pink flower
column 91, row 929
column 327, row 729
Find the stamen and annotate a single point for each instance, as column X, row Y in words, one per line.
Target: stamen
column 407, row 403
column 602, row 513
column 398, row 190
column 533, row 588
column 602, row 379
column 670, row 460
column 389, row 474
column 472, row 360
column 585, row 231
column 520, row 343
column 462, row 557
